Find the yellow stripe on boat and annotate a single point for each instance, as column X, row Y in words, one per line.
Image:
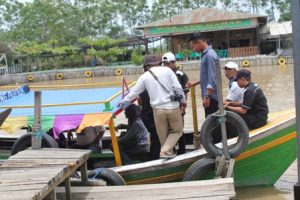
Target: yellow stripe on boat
column 158, row 179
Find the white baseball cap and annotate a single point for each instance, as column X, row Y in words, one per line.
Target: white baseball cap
column 168, row 57
column 232, row 65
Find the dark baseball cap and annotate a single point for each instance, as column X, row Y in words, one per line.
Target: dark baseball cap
column 243, row 73
column 152, row 60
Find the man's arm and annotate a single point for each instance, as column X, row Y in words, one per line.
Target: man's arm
column 135, row 91
column 232, row 103
column 211, row 79
column 239, row 109
column 193, row 83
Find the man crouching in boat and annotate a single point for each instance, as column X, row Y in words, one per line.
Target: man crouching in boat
column 254, row 108
column 166, row 95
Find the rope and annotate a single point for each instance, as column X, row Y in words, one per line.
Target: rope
column 38, row 134
column 221, row 117
column 98, row 172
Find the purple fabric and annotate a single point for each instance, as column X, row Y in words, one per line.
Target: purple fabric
column 65, row 122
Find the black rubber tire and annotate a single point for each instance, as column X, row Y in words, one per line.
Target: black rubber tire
column 111, row 177
column 236, row 127
column 24, row 142
column 199, row 168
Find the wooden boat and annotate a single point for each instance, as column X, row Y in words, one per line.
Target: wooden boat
column 271, row 149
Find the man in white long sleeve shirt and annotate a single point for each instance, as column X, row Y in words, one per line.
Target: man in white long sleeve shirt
column 235, row 93
column 167, row 113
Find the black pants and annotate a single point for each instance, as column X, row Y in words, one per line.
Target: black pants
column 181, row 142
column 253, row 122
column 155, row 143
column 213, row 107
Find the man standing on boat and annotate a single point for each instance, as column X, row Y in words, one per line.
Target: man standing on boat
column 235, row 93
column 254, row 108
column 169, row 60
column 208, row 80
column 166, row 99
column 199, row 43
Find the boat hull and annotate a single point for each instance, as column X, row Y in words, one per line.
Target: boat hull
column 269, row 153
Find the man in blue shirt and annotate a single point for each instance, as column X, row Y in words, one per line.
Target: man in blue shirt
column 208, row 81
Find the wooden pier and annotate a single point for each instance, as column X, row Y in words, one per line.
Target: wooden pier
column 216, row 189
column 287, row 181
column 35, row 174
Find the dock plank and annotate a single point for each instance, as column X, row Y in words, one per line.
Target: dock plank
column 33, row 174
column 211, row 189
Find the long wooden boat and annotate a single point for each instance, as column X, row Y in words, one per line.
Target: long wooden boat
column 271, row 149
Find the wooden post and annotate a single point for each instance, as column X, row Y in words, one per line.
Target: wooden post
column 195, row 119
column 68, row 188
column 51, row 195
column 83, row 170
column 36, row 132
column 114, row 142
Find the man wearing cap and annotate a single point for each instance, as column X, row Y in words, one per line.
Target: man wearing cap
column 199, row 43
column 254, row 108
column 235, row 93
column 162, row 86
column 169, row 60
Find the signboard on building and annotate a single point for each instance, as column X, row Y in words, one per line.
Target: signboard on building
column 189, row 28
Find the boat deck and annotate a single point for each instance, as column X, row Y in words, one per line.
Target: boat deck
column 34, row 174
column 210, row 190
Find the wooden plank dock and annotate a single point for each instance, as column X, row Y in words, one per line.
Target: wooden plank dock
column 35, row 174
column 286, row 182
column 216, row 189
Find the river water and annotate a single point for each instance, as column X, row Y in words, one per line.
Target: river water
column 277, row 82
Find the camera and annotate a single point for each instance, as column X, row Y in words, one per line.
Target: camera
column 176, row 97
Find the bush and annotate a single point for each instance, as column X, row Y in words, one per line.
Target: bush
column 186, row 53
column 136, row 58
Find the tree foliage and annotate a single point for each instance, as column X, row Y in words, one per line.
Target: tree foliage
column 104, row 48
column 65, row 21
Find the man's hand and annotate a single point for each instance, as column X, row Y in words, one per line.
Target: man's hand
column 190, row 84
column 226, row 103
column 183, row 107
column 206, row 102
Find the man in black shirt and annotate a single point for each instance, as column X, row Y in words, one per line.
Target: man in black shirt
column 254, row 108
column 148, row 119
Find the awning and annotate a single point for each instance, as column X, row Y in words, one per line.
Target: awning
column 283, row 28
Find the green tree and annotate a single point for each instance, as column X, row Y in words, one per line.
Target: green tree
column 105, row 48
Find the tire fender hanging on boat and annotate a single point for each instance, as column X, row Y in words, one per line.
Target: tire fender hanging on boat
column 24, row 142
column 199, row 168
column 246, row 63
column 281, row 61
column 111, row 177
column 29, row 77
column 118, row 72
column 236, row 127
column 88, row 74
column 59, row 76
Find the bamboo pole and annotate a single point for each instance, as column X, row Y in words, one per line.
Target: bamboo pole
column 114, row 142
column 195, row 118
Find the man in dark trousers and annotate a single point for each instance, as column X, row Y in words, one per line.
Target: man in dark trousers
column 169, row 60
column 208, row 80
column 199, row 43
column 254, row 109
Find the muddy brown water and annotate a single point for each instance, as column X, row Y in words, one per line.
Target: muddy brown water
column 277, row 83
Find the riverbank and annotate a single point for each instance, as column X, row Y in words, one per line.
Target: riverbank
column 100, row 71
